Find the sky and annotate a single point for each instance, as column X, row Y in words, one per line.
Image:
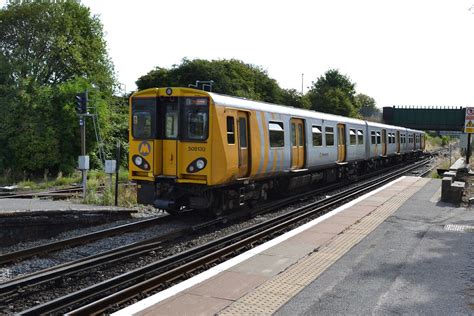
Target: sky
column 400, row 52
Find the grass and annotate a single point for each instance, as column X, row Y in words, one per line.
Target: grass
column 99, row 189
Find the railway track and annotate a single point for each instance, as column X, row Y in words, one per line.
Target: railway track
column 157, row 275
column 56, row 194
column 79, row 240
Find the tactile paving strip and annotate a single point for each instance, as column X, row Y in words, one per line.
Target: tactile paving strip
column 459, row 228
column 270, row 296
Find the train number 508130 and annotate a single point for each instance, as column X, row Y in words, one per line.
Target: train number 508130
column 196, row 148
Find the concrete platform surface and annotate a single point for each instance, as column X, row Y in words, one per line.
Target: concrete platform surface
column 17, row 206
column 387, row 252
column 410, row 264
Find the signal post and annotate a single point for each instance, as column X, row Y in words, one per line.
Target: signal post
column 83, row 161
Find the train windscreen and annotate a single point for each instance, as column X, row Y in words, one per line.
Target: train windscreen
column 144, row 118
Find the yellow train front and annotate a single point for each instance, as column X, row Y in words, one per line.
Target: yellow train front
column 186, row 151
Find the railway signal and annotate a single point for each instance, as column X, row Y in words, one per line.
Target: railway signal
column 81, row 103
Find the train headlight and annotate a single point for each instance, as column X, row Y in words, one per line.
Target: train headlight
column 200, row 164
column 197, row 165
column 138, row 160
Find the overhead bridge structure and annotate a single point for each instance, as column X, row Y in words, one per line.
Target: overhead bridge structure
column 440, row 118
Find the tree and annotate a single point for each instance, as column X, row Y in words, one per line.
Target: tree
column 50, row 43
column 231, row 77
column 49, row 52
column 367, row 107
column 333, row 93
column 291, row 97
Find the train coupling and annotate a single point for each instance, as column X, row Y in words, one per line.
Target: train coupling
column 164, row 204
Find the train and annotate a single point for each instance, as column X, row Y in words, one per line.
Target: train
column 194, row 149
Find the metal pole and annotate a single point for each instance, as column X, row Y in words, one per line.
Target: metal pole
column 450, row 154
column 82, row 123
column 468, row 154
column 302, row 76
column 117, row 167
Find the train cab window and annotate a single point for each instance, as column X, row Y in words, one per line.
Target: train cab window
column 230, row 130
column 277, row 134
column 171, row 121
column 379, row 138
column 373, row 138
column 317, row 136
column 194, row 119
column 360, row 137
column 144, row 118
column 142, row 124
column 329, row 133
column 352, row 137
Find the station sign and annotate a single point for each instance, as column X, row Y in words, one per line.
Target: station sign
column 469, row 121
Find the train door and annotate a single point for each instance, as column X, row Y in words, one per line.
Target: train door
column 341, row 142
column 297, row 143
column 243, row 137
column 398, row 142
column 170, row 139
column 384, row 142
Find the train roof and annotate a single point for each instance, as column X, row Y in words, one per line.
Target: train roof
column 230, row 101
column 225, row 100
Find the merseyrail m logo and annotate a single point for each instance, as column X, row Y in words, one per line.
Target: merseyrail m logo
column 144, row 148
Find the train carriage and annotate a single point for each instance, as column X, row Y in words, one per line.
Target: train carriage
column 208, row 151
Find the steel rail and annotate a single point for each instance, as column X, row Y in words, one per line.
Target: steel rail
column 34, row 251
column 145, row 279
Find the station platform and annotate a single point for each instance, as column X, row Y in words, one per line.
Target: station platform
column 23, row 220
column 395, row 250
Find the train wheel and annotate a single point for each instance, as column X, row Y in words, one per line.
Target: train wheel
column 216, row 205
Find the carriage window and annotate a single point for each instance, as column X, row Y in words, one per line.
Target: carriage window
column 293, row 134
column 230, row 130
column 300, row 135
column 243, row 132
column 373, row 139
column 317, row 136
column 352, row 137
column 277, row 134
column 329, row 131
column 360, row 137
column 379, row 138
